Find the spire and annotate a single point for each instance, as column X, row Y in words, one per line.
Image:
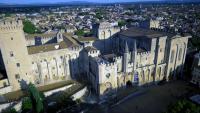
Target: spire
column 126, row 48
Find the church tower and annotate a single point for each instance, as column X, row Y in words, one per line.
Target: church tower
column 125, row 58
column 15, row 55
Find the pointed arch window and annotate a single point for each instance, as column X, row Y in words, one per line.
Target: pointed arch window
column 180, row 54
column 172, row 56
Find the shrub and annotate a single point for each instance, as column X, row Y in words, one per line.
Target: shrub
column 183, row 106
column 10, row 110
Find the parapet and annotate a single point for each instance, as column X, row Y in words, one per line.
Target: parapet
column 93, row 52
column 144, row 53
column 11, row 25
column 118, row 58
column 107, row 64
column 164, row 30
column 76, row 48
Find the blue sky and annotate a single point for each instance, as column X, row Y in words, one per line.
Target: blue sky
column 54, row 1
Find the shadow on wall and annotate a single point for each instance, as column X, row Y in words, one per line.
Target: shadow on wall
column 2, row 67
column 23, row 84
column 178, row 73
column 105, row 46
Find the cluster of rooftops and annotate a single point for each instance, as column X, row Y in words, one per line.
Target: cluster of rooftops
column 69, row 41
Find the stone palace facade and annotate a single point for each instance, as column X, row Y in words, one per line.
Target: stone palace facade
column 107, row 61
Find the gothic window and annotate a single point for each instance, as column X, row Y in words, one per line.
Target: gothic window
column 160, row 49
column 159, row 71
column 18, row 64
column 17, row 76
column 143, row 76
column 11, row 54
column 11, row 38
column 180, row 54
column 108, row 75
column 109, row 33
column 147, row 73
column 46, row 77
column 172, row 56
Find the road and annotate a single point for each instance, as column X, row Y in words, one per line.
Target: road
column 154, row 99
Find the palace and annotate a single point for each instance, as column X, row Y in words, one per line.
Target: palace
column 107, row 61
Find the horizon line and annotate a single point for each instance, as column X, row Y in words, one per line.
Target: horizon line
column 83, row 1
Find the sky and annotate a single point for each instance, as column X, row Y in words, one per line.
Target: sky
column 56, row 1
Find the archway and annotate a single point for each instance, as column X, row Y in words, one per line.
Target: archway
column 108, row 88
column 128, row 83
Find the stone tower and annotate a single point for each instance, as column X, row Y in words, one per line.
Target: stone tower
column 15, row 55
column 125, row 58
column 134, row 54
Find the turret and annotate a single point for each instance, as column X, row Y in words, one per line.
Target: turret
column 134, row 54
column 125, row 58
column 15, row 55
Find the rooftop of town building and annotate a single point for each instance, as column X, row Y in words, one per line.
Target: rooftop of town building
column 136, row 32
column 50, row 47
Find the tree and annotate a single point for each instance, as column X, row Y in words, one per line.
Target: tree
column 80, row 32
column 36, row 98
column 26, row 104
column 99, row 16
column 29, row 27
column 11, row 110
column 121, row 23
column 7, row 15
column 183, row 106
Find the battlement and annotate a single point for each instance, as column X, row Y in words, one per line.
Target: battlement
column 144, row 53
column 118, row 58
column 76, row 48
column 11, row 25
column 107, row 64
column 93, row 52
column 130, row 64
column 163, row 30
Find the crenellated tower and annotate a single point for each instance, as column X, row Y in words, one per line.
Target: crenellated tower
column 125, row 58
column 15, row 55
column 134, row 55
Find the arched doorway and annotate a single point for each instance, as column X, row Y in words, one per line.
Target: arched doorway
column 108, row 88
column 128, row 83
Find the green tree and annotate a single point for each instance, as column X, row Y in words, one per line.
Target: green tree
column 29, row 27
column 183, row 106
column 80, row 32
column 11, row 110
column 121, row 23
column 36, row 98
column 7, row 15
column 99, row 15
column 26, row 104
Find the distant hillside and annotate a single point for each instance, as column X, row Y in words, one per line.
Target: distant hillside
column 181, row 1
column 92, row 3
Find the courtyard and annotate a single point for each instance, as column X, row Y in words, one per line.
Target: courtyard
column 155, row 99
column 152, row 99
